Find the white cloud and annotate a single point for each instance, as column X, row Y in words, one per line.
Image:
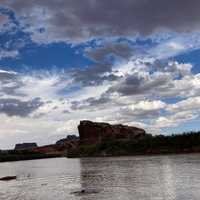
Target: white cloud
column 175, row 119
column 43, row 131
column 176, row 46
column 148, row 105
column 190, row 104
column 9, row 54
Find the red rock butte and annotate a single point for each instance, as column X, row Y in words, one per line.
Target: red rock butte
column 97, row 132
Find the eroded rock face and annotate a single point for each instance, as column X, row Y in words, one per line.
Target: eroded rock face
column 25, row 146
column 67, row 140
column 61, row 147
column 96, row 133
column 70, row 144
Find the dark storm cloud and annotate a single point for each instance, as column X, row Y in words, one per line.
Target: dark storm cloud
column 77, row 19
column 15, row 107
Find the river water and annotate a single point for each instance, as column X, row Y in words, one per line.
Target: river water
column 174, row 177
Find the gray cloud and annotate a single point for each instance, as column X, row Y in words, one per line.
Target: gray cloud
column 102, row 71
column 66, row 111
column 160, row 79
column 77, row 20
column 90, row 103
column 9, row 83
column 15, row 107
column 156, row 80
column 93, row 75
column 102, row 53
column 135, row 84
column 175, row 68
column 141, row 114
column 6, row 76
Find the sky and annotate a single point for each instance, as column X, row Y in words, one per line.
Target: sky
column 134, row 62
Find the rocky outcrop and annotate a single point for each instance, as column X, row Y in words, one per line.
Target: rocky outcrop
column 67, row 140
column 61, row 147
column 70, row 145
column 25, row 146
column 96, row 133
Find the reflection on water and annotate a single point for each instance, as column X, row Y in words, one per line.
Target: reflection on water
column 126, row 178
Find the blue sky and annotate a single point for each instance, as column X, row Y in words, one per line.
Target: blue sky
column 60, row 64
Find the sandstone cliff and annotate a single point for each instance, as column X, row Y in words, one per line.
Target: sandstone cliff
column 96, row 133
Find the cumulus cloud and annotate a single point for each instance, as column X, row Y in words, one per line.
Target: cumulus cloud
column 81, row 21
column 148, row 105
column 138, row 84
column 150, row 79
column 136, row 96
column 142, row 109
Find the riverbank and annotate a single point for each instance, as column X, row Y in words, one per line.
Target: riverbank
column 13, row 155
column 150, row 145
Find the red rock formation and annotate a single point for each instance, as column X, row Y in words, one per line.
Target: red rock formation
column 48, row 149
column 95, row 133
column 61, row 147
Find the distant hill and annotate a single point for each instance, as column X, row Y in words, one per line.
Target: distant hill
column 29, row 151
column 25, row 146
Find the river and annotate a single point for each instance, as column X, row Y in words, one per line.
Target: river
column 175, row 177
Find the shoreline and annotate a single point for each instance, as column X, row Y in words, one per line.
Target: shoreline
column 105, row 156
